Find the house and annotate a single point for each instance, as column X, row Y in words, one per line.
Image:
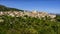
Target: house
column 31, row 14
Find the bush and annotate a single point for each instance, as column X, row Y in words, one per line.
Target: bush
column 30, row 25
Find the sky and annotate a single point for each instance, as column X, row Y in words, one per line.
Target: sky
column 50, row 6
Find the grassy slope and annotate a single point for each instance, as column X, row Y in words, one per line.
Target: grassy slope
column 28, row 25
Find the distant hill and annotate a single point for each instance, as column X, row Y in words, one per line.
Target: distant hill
column 4, row 8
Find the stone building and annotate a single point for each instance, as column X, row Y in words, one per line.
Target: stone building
column 32, row 14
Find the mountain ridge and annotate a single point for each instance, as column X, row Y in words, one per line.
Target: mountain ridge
column 4, row 8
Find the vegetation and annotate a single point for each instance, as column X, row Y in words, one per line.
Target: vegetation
column 4, row 8
column 28, row 25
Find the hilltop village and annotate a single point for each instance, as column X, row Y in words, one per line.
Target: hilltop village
column 32, row 14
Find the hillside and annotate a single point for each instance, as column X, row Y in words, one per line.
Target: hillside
column 4, row 8
column 28, row 22
column 28, row 25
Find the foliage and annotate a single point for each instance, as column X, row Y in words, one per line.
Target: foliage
column 28, row 25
